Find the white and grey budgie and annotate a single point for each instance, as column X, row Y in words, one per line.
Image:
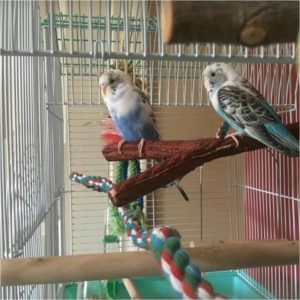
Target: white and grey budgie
column 244, row 109
column 130, row 111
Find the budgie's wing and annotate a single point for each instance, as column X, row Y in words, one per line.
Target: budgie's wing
column 263, row 106
column 244, row 108
column 249, row 110
column 148, row 125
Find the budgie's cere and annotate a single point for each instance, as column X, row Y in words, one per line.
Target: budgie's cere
column 244, row 109
column 130, row 110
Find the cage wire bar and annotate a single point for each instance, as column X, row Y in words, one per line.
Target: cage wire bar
column 31, row 148
column 52, row 54
column 92, row 35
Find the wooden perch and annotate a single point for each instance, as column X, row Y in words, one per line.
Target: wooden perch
column 209, row 256
column 250, row 23
column 181, row 158
column 131, row 289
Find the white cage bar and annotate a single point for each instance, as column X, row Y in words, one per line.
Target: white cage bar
column 31, row 148
column 51, row 56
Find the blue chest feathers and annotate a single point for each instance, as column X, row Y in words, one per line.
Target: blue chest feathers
column 134, row 126
column 128, row 125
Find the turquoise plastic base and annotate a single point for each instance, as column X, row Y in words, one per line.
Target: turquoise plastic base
column 148, row 288
column 229, row 284
column 70, row 291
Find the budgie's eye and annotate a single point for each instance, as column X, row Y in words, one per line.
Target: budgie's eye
column 213, row 74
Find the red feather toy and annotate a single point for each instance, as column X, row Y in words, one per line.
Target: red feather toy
column 109, row 133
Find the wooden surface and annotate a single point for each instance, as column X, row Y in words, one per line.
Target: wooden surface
column 181, row 160
column 209, row 256
column 131, row 289
column 250, row 23
column 167, row 149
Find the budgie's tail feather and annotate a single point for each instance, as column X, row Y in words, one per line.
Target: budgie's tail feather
column 284, row 140
column 181, row 190
column 276, row 136
column 176, row 183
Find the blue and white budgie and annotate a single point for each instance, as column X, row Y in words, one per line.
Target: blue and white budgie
column 244, row 109
column 130, row 111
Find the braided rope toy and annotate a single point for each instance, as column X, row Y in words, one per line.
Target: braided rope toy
column 97, row 183
column 164, row 241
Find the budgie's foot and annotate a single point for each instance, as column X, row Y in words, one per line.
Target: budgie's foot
column 232, row 135
column 141, row 147
column 120, row 145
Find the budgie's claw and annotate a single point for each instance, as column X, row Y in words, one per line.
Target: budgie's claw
column 141, row 146
column 219, row 133
column 120, row 145
column 234, row 138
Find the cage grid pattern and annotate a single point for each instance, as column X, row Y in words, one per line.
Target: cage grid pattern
column 31, row 149
column 271, row 199
column 52, row 54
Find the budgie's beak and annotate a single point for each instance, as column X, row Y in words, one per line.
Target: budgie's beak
column 104, row 89
column 206, row 80
column 103, row 82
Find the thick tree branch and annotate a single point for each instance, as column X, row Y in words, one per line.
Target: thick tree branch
column 181, row 158
column 165, row 149
column 152, row 149
column 250, row 23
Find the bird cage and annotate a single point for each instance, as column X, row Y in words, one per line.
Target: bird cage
column 52, row 55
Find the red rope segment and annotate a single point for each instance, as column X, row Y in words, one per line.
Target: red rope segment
column 182, row 158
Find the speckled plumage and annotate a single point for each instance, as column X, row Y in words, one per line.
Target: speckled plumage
column 245, row 109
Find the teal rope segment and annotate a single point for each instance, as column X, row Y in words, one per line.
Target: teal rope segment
column 97, row 183
column 132, row 214
column 121, row 169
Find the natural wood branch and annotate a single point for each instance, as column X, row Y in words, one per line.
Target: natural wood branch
column 166, row 149
column 182, row 158
column 209, row 256
column 250, row 23
column 152, row 149
column 131, row 289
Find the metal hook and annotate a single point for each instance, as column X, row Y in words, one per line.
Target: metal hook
column 95, row 49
